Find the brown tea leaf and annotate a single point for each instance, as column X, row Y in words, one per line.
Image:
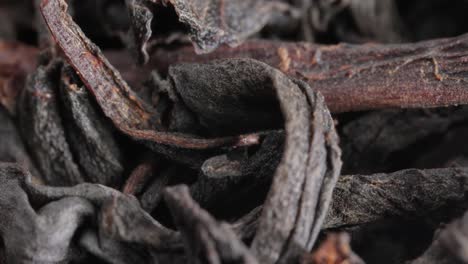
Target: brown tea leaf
column 215, row 22
column 12, row 148
column 36, row 235
column 358, row 77
column 128, row 112
column 42, row 128
column 206, row 240
column 90, row 136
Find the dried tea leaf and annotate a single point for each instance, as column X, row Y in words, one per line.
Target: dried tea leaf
column 246, row 226
column 360, row 199
column 237, row 177
column 90, row 137
column 153, row 194
column 358, row 77
column 110, row 250
column 206, row 240
column 118, row 102
column 124, row 220
column 46, row 235
column 372, row 142
column 120, row 216
column 40, row 235
column 141, row 17
column 378, row 20
column 215, row 22
column 373, row 20
column 437, row 253
column 449, row 245
column 141, row 175
column 42, row 129
column 454, row 238
column 211, row 22
column 12, row 148
column 310, row 146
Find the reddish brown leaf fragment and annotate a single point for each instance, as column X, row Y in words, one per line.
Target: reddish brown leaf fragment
column 140, row 176
column 334, row 250
column 359, row 77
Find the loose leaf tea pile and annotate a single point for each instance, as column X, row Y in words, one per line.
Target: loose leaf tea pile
column 241, row 131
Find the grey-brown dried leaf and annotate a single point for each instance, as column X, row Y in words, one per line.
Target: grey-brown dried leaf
column 129, row 113
column 89, row 134
column 432, row 194
column 141, row 16
column 216, row 22
column 373, row 142
column 206, row 240
column 42, row 129
column 40, row 234
column 239, row 177
column 12, row 148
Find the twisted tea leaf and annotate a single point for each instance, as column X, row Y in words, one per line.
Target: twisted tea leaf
column 374, row 20
column 36, row 235
column 118, row 218
column 141, row 175
column 237, row 178
column 215, row 22
column 42, row 129
column 304, row 180
column 246, row 226
column 295, row 197
column 121, row 216
column 435, row 194
column 211, row 22
column 206, row 240
column 12, row 148
column 454, row 238
column 437, row 253
column 360, row 199
column 153, row 194
column 372, row 142
column 141, row 17
column 378, row 20
column 358, row 77
column 449, row 245
column 118, row 102
column 110, row 250
column 89, row 134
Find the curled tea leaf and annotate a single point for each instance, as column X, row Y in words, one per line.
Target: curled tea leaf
column 206, row 240
column 302, row 187
column 141, row 16
column 42, row 128
column 12, row 148
column 215, row 22
column 89, row 134
column 42, row 235
column 128, row 112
